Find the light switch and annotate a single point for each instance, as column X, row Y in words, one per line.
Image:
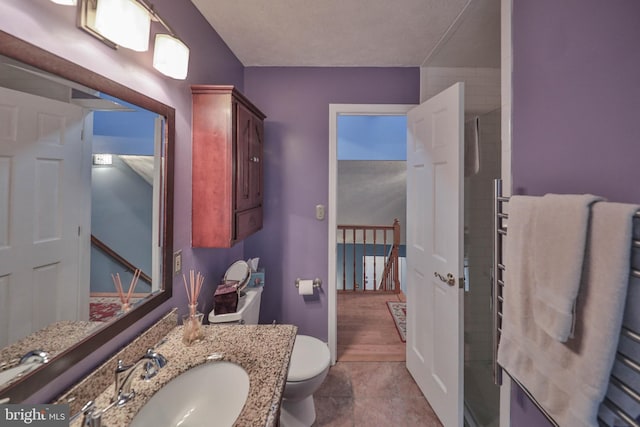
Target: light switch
column 319, row 212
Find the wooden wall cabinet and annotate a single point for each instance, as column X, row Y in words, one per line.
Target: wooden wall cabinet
column 228, row 135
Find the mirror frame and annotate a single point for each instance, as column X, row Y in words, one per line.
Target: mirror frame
column 30, row 54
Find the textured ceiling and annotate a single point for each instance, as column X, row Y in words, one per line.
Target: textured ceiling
column 352, row 32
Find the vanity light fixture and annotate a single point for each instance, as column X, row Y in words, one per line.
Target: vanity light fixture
column 66, row 2
column 127, row 23
column 171, row 56
column 124, row 22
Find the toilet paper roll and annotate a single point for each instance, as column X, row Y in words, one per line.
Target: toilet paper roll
column 305, row 287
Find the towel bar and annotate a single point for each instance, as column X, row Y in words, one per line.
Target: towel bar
column 497, row 300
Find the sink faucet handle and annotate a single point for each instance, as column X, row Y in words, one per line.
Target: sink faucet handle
column 153, row 363
column 160, row 360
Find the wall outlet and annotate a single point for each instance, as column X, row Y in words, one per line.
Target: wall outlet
column 177, row 262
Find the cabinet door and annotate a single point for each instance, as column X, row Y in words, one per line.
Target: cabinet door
column 244, row 119
column 249, row 135
column 255, row 162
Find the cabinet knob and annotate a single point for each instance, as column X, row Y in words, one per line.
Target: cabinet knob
column 255, row 159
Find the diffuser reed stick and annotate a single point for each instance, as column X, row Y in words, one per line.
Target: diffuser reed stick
column 193, row 288
column 193, row 321
column 125, row 299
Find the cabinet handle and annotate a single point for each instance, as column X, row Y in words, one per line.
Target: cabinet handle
column 255, row 159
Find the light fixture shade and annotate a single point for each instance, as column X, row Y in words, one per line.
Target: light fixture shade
column 66, row 2
column 171, row 56
column 124, row 22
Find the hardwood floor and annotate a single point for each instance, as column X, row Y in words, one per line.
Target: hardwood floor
column 366, row 331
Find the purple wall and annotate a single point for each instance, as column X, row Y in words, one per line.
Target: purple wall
column 52, row 27
column 576, row 97
column 576, row 107
column 293, row 243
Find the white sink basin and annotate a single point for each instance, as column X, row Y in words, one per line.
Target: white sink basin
column 212, row 394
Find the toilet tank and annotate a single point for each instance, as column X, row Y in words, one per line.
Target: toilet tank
column 248, row 309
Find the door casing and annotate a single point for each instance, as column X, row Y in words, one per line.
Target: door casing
column 336, row 110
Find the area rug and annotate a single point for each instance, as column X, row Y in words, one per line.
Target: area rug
column 398, row 312
column 103, row 311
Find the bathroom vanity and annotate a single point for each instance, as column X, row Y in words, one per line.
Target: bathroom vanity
column 263, row 351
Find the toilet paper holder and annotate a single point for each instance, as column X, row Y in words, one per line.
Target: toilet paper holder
column 317, row 282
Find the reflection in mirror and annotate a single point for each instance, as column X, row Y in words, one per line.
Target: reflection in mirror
column 55, row 133
column 85, row 205
column 125, row 181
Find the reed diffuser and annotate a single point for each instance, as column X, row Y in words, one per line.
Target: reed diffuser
column 125, row 299
column 192, row 321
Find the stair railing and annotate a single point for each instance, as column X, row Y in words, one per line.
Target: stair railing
column 355, row 242
column 117, row 257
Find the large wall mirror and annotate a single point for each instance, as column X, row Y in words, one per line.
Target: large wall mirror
column 86, row 197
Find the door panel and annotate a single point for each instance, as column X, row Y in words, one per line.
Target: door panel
column 434, row 251
column 41, row 190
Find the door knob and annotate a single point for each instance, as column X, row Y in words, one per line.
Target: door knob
column 449, row 280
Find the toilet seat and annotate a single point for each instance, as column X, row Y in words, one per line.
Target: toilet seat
column 310, row 357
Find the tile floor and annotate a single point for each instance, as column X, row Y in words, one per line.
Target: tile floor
column 371, row 394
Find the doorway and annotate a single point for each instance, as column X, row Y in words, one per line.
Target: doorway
column 335, row 111
column 475, row 338
column 371, row 212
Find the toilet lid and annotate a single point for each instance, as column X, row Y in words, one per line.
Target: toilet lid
column 309, row 358
column 238, row 272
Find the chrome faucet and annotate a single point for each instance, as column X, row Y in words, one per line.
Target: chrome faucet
column 27, row 363
column 152, row 362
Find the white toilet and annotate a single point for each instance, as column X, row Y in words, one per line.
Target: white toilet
column 308, row 367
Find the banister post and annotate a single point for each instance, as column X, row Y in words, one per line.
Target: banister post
column 396, row 244
column 396, row 232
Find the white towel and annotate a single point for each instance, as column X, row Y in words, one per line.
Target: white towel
column 569, row 380
column 517, row 315
column 558, row 243
column 472, row 147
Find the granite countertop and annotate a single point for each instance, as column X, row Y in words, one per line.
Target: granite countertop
column 54, row 339
column 262, row 350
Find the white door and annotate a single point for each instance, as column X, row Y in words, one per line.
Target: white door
column 373, row 266
column 42, row 222
column 435, row 251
